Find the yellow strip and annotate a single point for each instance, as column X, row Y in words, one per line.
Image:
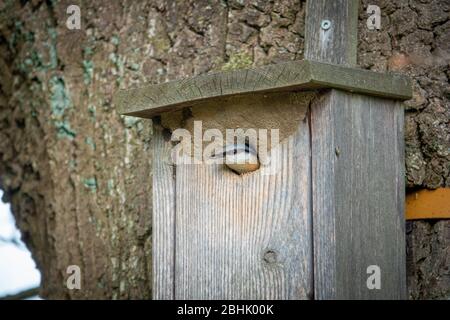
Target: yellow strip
column 428, row 204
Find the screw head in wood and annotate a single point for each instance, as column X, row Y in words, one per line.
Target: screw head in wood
column 326, row 24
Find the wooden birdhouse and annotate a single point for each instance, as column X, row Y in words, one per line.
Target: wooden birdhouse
column 317, row 212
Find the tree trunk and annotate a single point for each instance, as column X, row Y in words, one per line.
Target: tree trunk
column 78, row 175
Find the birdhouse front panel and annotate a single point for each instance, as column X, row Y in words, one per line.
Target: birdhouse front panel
column 247, row 235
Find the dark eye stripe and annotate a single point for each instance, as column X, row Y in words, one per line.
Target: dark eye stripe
column 232, row 150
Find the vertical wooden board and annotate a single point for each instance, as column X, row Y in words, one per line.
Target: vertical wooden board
column 358, row 196
column 245, row 237
column 338, row 43
column 163, row 224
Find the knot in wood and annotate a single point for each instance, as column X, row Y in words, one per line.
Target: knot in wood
column 270, row 257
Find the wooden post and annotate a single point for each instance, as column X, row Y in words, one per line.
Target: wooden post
column 312, row 228
column 331, row 31
column 358, row 172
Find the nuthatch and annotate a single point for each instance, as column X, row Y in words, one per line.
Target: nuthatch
column 241, row 158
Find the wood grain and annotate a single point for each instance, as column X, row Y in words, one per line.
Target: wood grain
column 337, row 44
column 163, row 218
column 358, row 196
column 152, row 100
column 245, row 237
column 333, row 209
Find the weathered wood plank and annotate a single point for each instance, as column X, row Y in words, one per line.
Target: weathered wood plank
column 358, row 196
column 152, row 100
column 337, row 44
column 163, row 219
column 246, row 237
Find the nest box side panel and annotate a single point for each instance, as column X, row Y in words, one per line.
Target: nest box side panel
column 358, row 196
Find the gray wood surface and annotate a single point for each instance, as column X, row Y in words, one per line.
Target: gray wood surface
column 152, row 100
column 311, row 230
column 163, row 219
column 337, row 44
column 358, row 196
column 246, row 237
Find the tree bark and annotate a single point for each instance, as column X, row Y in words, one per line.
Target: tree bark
column 78, row 175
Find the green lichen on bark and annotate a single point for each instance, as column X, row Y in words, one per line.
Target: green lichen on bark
column 90, row 142
column 64, row 131
column 59, row 97
column 88, row 71
column 90, row 183
column 238, row 60
column 59, row 103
